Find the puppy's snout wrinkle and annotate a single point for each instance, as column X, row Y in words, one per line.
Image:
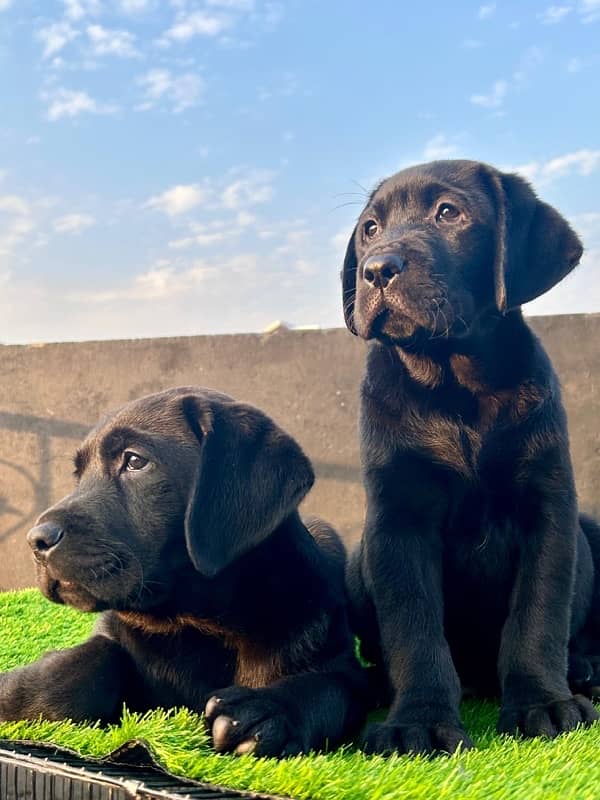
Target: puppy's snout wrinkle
column 381, row 269
column 44, row 538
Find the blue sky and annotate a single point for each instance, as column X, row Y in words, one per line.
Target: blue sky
column 195, row 166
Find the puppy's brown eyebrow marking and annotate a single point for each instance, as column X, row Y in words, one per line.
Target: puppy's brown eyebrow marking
column 116, row 440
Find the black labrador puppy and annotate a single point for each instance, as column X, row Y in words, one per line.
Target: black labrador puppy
column 474, row 566
column 184, row 530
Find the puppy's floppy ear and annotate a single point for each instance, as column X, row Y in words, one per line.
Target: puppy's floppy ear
column 349, row 271
column 535, row 245
column 251, row 475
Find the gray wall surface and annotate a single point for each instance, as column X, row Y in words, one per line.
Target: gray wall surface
column 306, row 380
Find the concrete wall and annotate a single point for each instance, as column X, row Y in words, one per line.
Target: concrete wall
column 307, row 380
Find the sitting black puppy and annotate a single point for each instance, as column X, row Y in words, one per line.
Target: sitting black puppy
column 184, row 530
column 474, row 565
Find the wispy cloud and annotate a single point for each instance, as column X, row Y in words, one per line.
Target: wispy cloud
column 134, row 6
column 73, row 223
column 63, row 102
column 16, row 221
column 113, row 42
column 189, row 25
column 253, row 188
column 78, row 9
column 56, row 36
column 589, row 11
column 532, row 58
column 494, row 98
column 554, row 14
column 238, row 5
column 485, row 11
column 180, row 92
column 178, row 199
column 440, row 146
column 580, row 162
column 5, row 5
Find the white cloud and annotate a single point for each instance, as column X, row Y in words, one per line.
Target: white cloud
column 439, row 146
column 589, row 11
column 179, row 91
column 13, row 204
column 273, row 14
column 54, row 37
column 178, row 199
column 163, row 281
column 73, row 223
column 68, row 103
column 238, row 5
column 5, row 5
column 106, row 41
column 78, row 9
column 244, row 219
column 16, row 221
column 252, row 189
column 554, row 14
column 197, row 23
column 580, row 162
column 486, row 10
column 494, row 99
column 134, row 6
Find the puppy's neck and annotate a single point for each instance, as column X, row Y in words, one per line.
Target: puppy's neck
column 494, row 357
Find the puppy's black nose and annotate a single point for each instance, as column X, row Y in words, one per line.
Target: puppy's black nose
column 44, row 537
column 379, row 270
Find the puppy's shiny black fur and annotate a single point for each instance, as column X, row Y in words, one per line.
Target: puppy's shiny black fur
column 474, row 566
column 184, row 530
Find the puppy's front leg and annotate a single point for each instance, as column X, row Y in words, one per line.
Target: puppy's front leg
column 303, row 712
column 404, row 576
column 86, row 682
column 536, row 699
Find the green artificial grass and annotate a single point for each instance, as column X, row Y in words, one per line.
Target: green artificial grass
column 567, row 768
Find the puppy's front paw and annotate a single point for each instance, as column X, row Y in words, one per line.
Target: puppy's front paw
column 386, row 738
column 548, row 719
column 244, row 720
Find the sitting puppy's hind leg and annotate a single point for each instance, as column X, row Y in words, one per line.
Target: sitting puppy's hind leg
column 584, row 650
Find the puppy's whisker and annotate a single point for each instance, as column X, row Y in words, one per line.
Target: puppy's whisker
column 343, row 205
column 365, row 192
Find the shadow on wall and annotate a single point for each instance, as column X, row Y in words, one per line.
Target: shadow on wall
column 34, row 483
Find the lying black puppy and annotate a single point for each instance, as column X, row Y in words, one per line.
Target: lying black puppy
column 474, row 565
column 184, row 527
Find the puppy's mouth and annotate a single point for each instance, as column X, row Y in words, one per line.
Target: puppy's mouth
column 97, row 587
column 386, row 321
column 69, row 593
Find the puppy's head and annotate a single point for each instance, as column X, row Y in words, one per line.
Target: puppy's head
column 440, row 244
column 182, row 479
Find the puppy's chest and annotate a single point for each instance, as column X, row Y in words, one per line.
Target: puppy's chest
column 480, row 454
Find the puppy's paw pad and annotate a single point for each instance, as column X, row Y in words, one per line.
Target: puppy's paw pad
column 247, row 746
column 386, row 738
column 244, row 721
column 211, row 706
column 548, row 719
column 222, row 729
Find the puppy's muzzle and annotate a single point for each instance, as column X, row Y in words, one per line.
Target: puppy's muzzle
column 381, row 269
column 44, row 539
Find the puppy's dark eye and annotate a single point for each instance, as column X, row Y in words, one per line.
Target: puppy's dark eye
column 447, row 213
column 371, row 229
column 132, row 461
